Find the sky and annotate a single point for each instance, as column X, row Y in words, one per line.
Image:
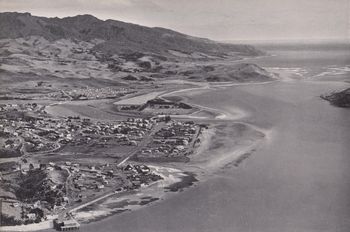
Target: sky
column 214, row 19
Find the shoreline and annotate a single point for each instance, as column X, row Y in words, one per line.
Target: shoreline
column 174, row 180
column 192, row 169
column 177, row 178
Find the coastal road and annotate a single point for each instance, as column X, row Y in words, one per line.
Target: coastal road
column 108, row 194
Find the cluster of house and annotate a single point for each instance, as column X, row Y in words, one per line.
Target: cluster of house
column 128, row 132
column 10, row 143
column 175, row 139
column 97, row 93
column 139, row 175
column 44, row 134
column 28, row 107
column 25, row 134
column 29, row 212
column 86, row 180
column 12, row 118
column 90, row 178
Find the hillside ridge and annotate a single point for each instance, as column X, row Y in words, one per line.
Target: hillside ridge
column 118, row 36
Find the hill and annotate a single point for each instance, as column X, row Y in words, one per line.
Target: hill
column 239, row 72
column 43, row 55
column 115, row 36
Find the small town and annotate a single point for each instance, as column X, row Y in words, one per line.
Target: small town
column 45, row 91
column 45, row 180
column 89, row 93
column 174, row 142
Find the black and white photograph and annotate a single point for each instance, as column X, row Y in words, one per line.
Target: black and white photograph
column 175, row 115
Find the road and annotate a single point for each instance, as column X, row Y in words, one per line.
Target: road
column 147, row 139
column 111, row 193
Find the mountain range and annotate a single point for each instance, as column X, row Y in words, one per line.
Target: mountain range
column 116, row 36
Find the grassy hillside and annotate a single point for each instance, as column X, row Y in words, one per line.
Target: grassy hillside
column 45, row 55
column 116, row 36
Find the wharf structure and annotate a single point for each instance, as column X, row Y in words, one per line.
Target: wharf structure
column 66, row 225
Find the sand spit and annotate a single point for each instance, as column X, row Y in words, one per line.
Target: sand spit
column 204, row 112
column 224, row 143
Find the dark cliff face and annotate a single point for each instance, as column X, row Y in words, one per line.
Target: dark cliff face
column 340, row 99
column 118, row 36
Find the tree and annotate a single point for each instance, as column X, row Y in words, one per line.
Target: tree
column 167, row 118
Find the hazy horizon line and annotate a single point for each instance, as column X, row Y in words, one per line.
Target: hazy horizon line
column 289, row 40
